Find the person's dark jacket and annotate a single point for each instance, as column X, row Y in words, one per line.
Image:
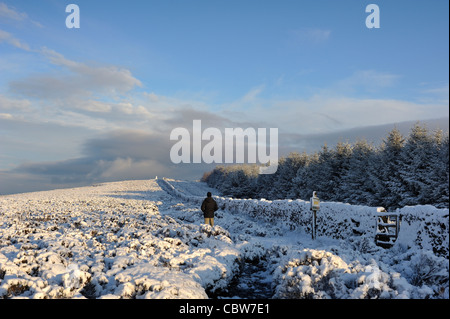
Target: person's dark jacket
column 209, row 206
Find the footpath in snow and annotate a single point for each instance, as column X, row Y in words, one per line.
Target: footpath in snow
column 146, row 239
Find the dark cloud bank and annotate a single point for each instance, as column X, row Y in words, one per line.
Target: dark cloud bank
column 128, row 154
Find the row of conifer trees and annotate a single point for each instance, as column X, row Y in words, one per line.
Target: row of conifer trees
column 401, row 171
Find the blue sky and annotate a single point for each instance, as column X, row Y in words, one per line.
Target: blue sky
column 222, row 49
column 137, row 69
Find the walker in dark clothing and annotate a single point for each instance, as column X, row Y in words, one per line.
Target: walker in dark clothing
column 209, row 206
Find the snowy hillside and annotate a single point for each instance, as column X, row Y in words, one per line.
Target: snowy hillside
column 145, row 239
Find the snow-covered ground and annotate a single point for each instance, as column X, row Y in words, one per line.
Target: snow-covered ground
column 146, row 239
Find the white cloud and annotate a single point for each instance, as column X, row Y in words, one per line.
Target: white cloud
column 355, row 101
column 436, row 93
column 11, row 13
column 324, row 114
column 366, row 80
column 152, row 97
column 81, row 94
column 443, row 90
column 253, row 94
column 75, row 79
column 7, row 103
column 10, row 39
column 6, row 116
column 92, row 106
column 110, row 78
column 353, row 112
column 251, row 98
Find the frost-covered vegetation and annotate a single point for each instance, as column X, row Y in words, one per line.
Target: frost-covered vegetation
column 344, row 262
column 146, row 239
column 402, row 171
column 108, row 241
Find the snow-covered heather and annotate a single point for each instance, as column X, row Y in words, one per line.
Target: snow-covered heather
column 344, row 261
column 145, row 239
column 108, row 241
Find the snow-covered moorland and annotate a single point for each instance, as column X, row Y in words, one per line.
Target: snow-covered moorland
column 145, row 239
column 108, row 241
